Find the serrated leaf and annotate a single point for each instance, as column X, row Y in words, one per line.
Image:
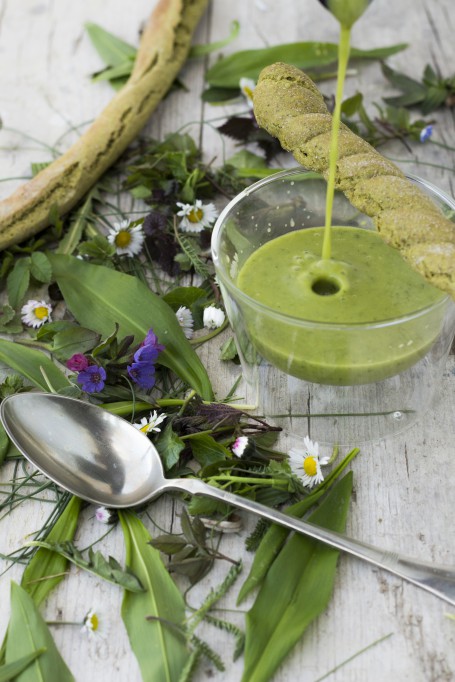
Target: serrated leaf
column 28, row 633
column 169, row 446
column 206, row 450
column 40, row 267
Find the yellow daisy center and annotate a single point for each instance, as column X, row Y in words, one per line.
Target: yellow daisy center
column 41, row 312
column 195, row 215
column 144, row 428
column 123, row 238
column 309, row 466
column 94, row 622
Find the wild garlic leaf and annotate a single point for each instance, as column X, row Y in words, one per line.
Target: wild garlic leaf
column 158, row 644
column 12, row 670
column 27, row 634
column 116, row 298
column 29, row 362
column 46, row 568
column 112, row 49
column 227, row 72
column 296, row 590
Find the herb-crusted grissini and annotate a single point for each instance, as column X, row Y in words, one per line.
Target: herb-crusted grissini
column 164, row 47
column 289, row 106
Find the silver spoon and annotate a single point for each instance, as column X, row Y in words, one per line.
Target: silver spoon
column 103, row 459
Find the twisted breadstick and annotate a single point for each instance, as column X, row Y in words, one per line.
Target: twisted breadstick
column 164, row 47
column 290, row 107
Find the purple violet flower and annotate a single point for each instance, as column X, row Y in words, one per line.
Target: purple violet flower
column 77, row 362
column 143, row 374
column 92, row 379
column 151, row 339
column 146, row 354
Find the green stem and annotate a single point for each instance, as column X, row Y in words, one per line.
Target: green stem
column 343, row 58
column 278, row 482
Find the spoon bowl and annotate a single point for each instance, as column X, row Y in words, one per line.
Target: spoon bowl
column 103, row 459
column 85, row 449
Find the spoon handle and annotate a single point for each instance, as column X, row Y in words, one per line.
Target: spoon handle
column 439, row 580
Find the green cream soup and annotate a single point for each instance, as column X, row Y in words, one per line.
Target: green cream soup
column 356, row 297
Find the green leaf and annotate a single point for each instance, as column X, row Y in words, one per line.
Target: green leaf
column 99, row 298
column 108, row 569
column 13, row 670
column 122, row 71
column 169, row 445
column 18, row 281
column 28, row 362
column 214, row 95
column 202, row 50
column 40, row 267
column 246, row 159
column 112, row 50
column 296, row 590
column 28, row 633
column 206, row 450
column 159, row 644
column 4, row 444
column 10, row 321
column 227, row 72
column 46, row 569
column 73, row 340
column 183, row 296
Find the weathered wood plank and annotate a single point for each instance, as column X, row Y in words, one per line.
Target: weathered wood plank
column 404, row 496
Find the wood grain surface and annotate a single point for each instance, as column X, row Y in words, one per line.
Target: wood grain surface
column 404, row 496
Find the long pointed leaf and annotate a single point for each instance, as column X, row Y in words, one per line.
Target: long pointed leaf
column 112, row 50
column 29, row 361
column 28, row 632
column 226, row 73
column 11, row 670
column 296, row 590
column 46, row 568
column 159, row 645
column 100, row 297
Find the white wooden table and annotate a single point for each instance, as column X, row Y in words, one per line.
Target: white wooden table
column 403, row 486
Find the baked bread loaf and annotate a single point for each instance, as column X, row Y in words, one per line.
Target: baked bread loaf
column 290, row 107
column 164, row 47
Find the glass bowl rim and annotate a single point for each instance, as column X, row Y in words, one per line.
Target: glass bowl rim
column 298, row 321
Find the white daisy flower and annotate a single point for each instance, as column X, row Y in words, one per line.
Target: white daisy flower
column 150, row 425
column 239, row 446
column 126, row 239
column 196, row 216
column 308, row 460
column 247, row 86
column 185, row 320
column 103, row 515
column 36, row 313
column 94, row 626
column 213, row 317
